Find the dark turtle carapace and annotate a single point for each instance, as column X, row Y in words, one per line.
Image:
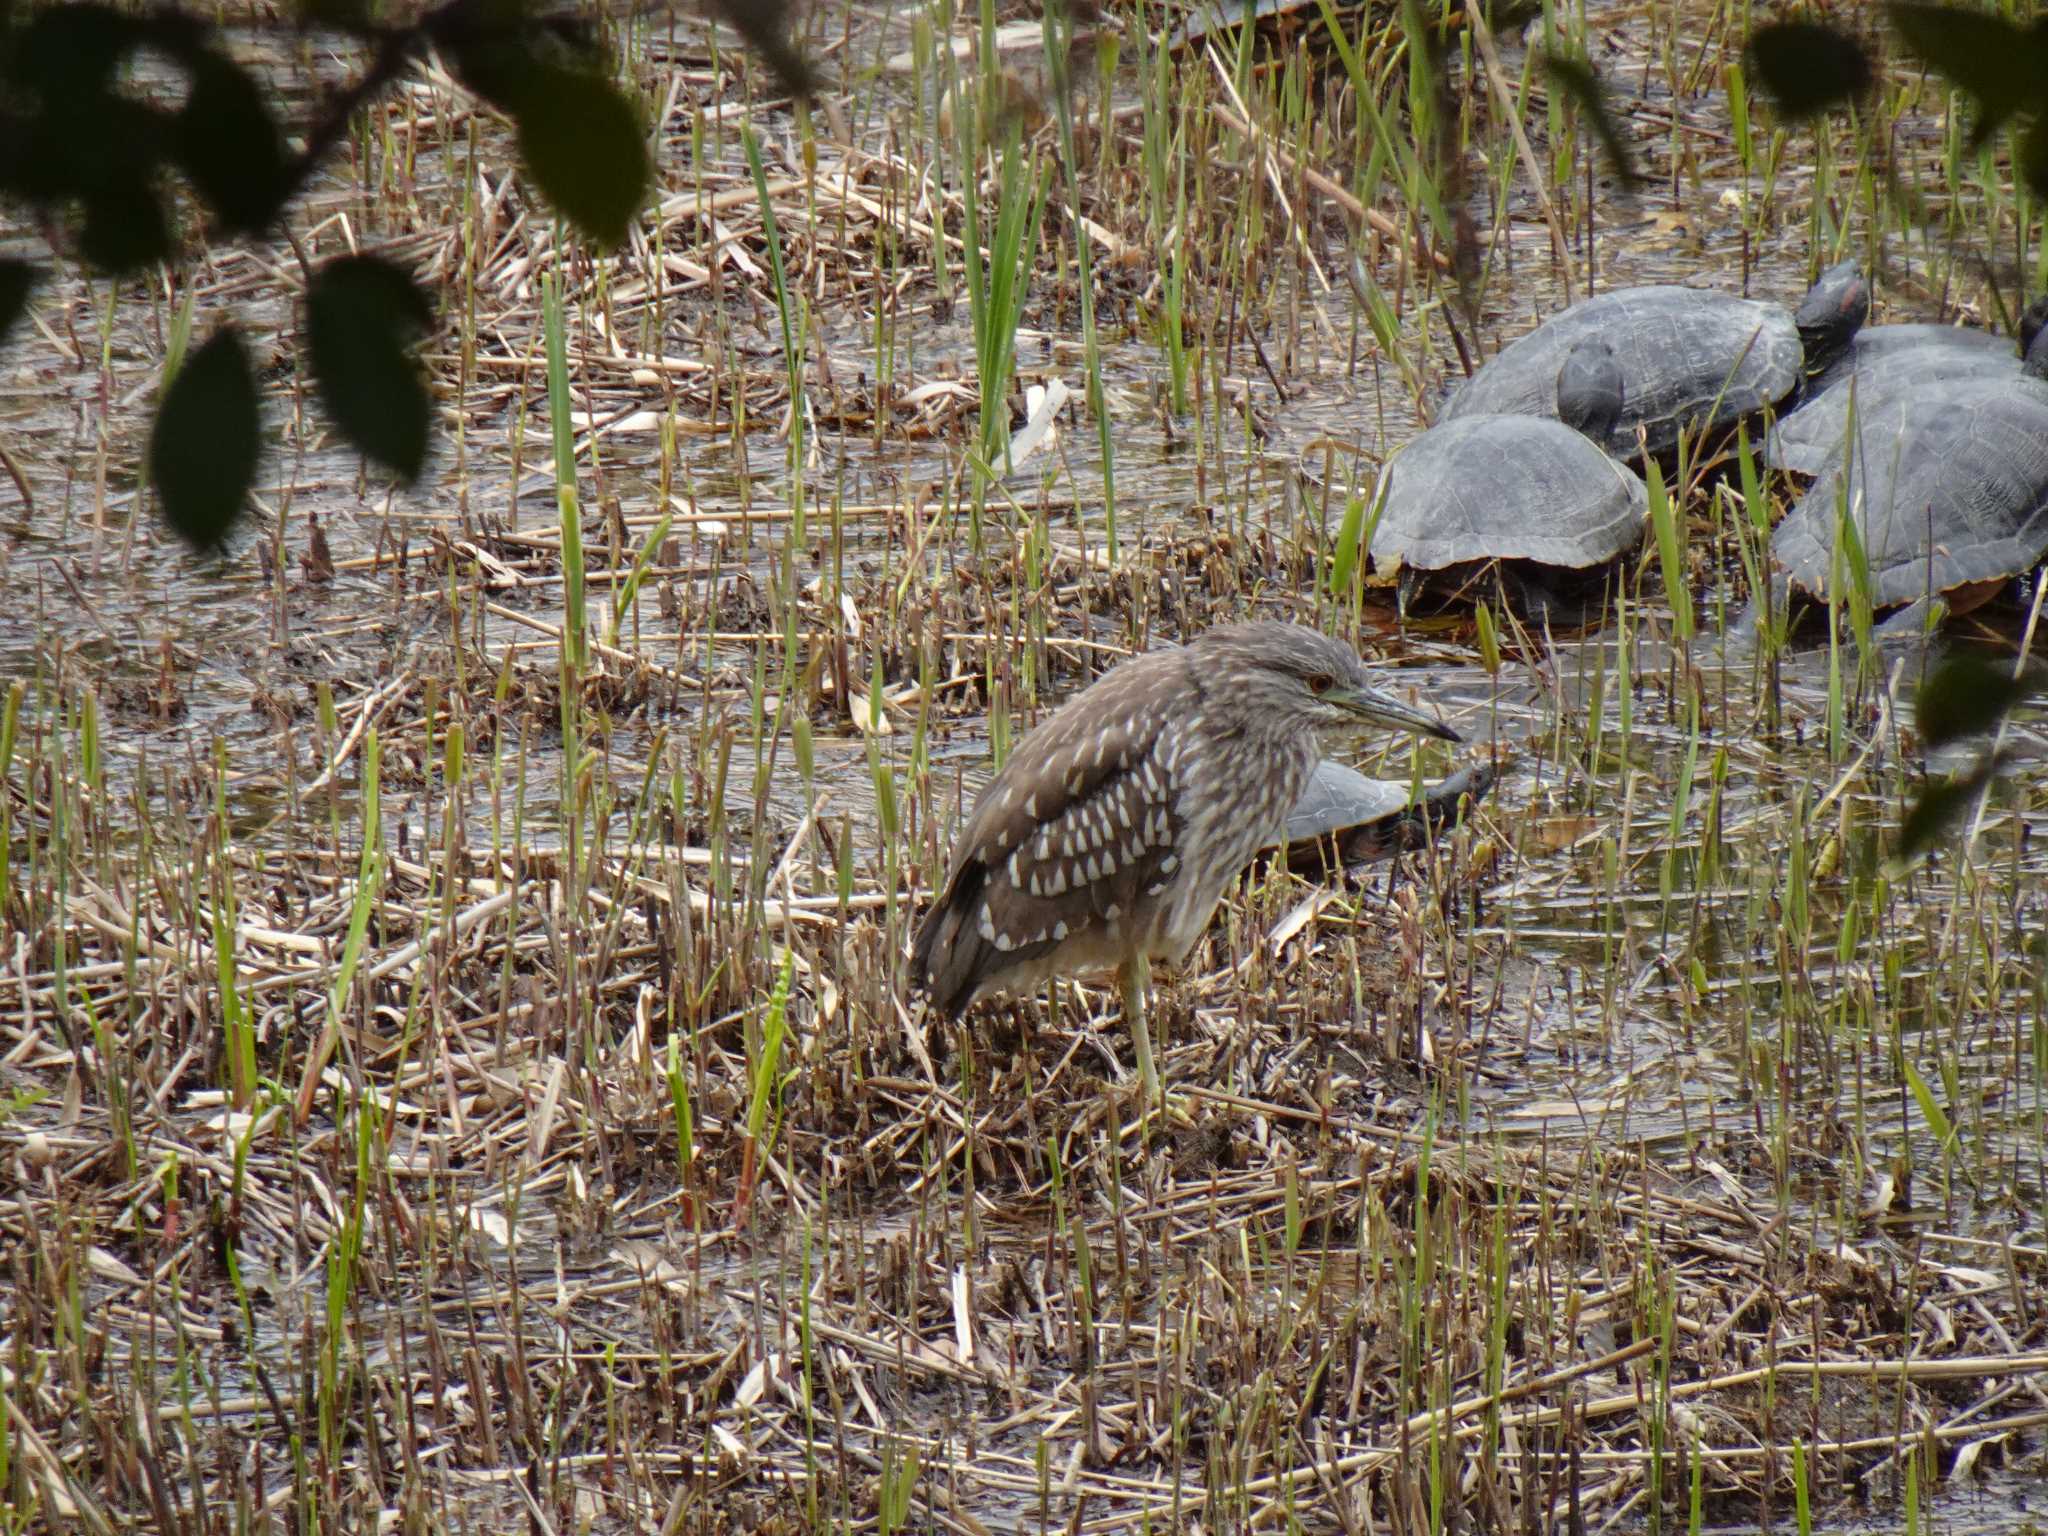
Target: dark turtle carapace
column 1534, row 498
column 1692, row 360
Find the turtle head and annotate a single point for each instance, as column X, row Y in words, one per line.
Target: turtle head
column 2033, row 319
column 1590, row 391
column 2036, row 365
column 1831, row 314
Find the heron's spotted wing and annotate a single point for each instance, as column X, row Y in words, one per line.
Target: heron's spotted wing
column 1078, row 828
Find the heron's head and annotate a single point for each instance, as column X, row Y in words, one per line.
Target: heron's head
column 1282, row 675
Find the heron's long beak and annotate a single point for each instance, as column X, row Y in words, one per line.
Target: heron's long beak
column 1373, row 707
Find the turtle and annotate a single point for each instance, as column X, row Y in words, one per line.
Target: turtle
column 1884, row 361
column 1344, row 819
column 1537, row 493
column 1948, row 488
column 1691, row 359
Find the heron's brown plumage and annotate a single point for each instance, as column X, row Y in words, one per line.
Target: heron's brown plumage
column 1065, row 839
column 1111, row 832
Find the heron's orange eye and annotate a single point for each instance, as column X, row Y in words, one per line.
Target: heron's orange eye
column 1322, row 682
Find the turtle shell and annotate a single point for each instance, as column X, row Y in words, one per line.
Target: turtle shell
column 1506, row 488
column 1338, row 797
column 1949, row 488
column 1890, row 362
column 1690, row 359
column 1878, row 346
column 1373, row 818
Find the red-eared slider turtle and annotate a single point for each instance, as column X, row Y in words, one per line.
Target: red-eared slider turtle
column 1690, row 359
column 1948, row 490
column 1885, row 362
column 1535, row 493
column 1344, row 818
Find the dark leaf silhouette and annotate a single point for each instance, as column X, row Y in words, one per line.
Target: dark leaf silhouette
column 579, row 137
column 1936, row 811
column 229, row 145
column 70, row 52
column 765, row 26
column 126, row 226
column 1806, row 67
column 583, row 143
column 1997, row 62
column 2031, row 163
column 72, row 140
column 508, row 56
column 363, row 315
column 351, row 16
column 71, row 137
column 1966, row 694
column 97, row 149
column 202, row 451
column 1507, row 17
column 1575, row 77
column 17, row 278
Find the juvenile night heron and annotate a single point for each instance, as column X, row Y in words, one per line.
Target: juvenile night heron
column 1110, row 834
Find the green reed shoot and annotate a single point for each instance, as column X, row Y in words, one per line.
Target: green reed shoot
column 10, row 720
column 1058, row 26
column 368, row 889
column 1354, row 545
column 898, row 1484
column 1862, row 601
column 1166, row 164
column 998, row 288
column 795, row 317
column 643, row 562
column 1798, row 910
column 764, row 1077
column 679, row 1108
column 1770, row 596
column 561, row 405
column 1681, row 801
column 1076, row 1233
column 237, row 1022
column 1385, row 323
column 1695, row 1515
column 1624, row 666
column 574, row 660
column 1670, row 531
column 344, row 1259
column 1662, row 1306
column 1488, row 638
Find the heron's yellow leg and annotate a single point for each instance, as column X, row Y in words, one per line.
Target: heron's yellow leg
column 1134, row 980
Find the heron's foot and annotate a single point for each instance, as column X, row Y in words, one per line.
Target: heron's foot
column 1163, row 1108
column 1174, row 1111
